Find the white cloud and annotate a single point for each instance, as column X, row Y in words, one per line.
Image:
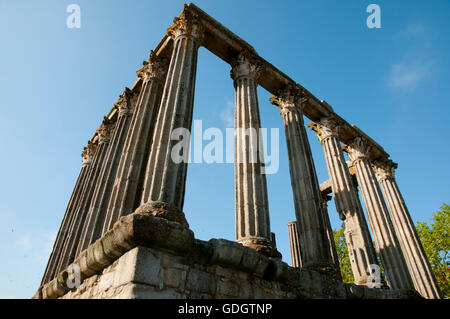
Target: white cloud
column 227, row 115
column 24, row 243
column 417, row 62
column 407, row 76
column 413, row 30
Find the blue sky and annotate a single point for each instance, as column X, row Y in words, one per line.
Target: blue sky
column 57, row 84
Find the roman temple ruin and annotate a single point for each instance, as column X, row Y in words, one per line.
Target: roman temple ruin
column 125, row 235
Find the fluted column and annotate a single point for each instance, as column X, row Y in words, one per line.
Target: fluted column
column 165, row 179
column 416, row 259
column 52, row 264
column 396, row 271
column 252, row 209
column 70, row 247
column 330, row 237
column 314, row 244
column 127, row 189
column 357, row 235
column 95, row 219
column 294, row 245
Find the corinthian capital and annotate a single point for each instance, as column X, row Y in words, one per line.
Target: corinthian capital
column 187, row 25
column 243, row 65
column 105, row 130
column 88, row 153
column 358, row 148
column 154, row 69
column 123, row 104
column 384, row 168
column 326, row 127
column 290, row 99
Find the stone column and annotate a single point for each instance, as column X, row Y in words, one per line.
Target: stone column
column 395, row 269
column 50, row 270
column 165, row 178
column 312, row 228
column 294, row 244
column 76, row 227
column 252, row 209
column 357, row 235
column 332, row 245
column 95, row 219
column 127, row 186
column 416, row 259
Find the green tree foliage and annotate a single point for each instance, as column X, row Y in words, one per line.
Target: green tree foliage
column 344, row 260
column 435, row 239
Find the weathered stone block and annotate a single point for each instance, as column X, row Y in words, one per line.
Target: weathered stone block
column 246, row 290
column 372, row 293
column 140, row 291
column 174, row 277
column 221, row 271
column 110, row 246
column 200, row 281
column 304, row 280
column 158, row 232
column 101, row 259
column 226, row 253
column 316, row 281
column 81, row 261
column 281, row 270
column 106, row 281
column 341, row 292
column 250, row 260
column 139, row 265
column 146, row 272
column 228, row 288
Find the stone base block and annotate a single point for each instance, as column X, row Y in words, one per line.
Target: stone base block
column 130, row 265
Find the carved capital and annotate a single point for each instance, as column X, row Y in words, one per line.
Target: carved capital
column 187, row 25
column 245, row 66
column 291, row 99
column 105, row 130
column 325, row 128
column 358, row 148
column 384, row 168
column 123, row 104
column 85, row 161
column 154, row 69
column 88, row 153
